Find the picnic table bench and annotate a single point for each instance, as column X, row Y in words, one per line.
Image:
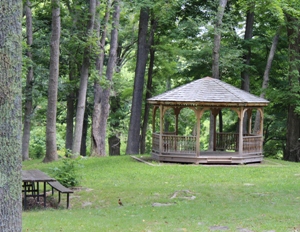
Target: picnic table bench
column 61, row 189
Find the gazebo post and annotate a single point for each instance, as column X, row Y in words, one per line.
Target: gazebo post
column 161, row 129
column 249, row 114
column 261, row 126
column 198, row 115
column 261, row 121
column 176, row 111
column 215, row 113
column 153, row 118
column 241, row 131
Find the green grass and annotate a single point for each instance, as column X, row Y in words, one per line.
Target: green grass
column 257, row 197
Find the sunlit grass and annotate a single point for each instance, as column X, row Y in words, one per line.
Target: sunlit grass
column 257, row 197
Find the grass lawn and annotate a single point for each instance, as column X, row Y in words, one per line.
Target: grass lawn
column 262, row 197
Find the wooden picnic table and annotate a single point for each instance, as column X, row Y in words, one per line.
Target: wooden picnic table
column 31, row 180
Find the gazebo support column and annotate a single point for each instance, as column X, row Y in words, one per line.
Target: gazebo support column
column 215, row 112
column 198, row 115
column 176, row 111
column 261, row 125
column 161, row 123
column 153, row 118
column 249, row 114
column 241, row 122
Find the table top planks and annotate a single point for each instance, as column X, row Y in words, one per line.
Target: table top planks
column 35, row 176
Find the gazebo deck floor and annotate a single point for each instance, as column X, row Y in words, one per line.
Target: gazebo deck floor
column 209, row 157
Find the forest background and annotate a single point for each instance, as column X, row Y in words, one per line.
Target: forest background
column 89, row 66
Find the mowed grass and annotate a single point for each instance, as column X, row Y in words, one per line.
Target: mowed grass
column 263, row 197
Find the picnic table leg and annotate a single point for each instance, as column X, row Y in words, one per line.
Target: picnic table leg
column 38, row 191
column 58, row 197
column 25, row 203
column 67, row 200
column 45, row 194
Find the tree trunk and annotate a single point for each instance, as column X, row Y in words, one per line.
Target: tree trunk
column 149, row 86
column 51, row 148
column 70, row 110
column 11, row 115
column 216, row 61
column 84, row 74
column 217, row 40
column 84, row 132
column 98, row 139
column 104, row 101
column 292, row 150
column 28, row 88
column 245, row 75
column 114, row 140
column 247, row 57
column 266, row 79
column 136, row 108
column 104, row 110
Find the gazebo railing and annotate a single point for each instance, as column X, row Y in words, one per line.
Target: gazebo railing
column 227, row 141
column 230, row 141
column 174, row 143
column 155, row 142
column 252, row 144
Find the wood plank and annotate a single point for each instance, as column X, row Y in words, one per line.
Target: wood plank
column 35, row 176
column 59, row 187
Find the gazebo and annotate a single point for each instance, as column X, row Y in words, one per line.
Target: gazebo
column 208, row 94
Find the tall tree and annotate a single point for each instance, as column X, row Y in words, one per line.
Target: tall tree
column 111, row 64
column 136, row 108
column 149, row 87
column 70, row 107
column 292, row 150
column 217, row 40
column 98, row 121
column 11, row 115
column 29, row 83
column 247, row 37
column 265, row 83
column 83, row 82
column 216, row 59
column 51, row 146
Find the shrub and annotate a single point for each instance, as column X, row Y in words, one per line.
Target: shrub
column 67, row 173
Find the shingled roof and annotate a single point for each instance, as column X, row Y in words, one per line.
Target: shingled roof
column 208, row 91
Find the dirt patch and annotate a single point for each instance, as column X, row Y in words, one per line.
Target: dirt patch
column 34, row 203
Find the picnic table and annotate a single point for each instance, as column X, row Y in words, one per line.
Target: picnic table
column 31, row 180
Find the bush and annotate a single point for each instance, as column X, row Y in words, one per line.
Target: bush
column 67, row 174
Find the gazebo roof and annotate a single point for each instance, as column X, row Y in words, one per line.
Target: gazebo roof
column 208, row 91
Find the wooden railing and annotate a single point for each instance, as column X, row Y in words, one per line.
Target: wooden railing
column 174, row 143
column 230, row 141
column 155, row 142
column 224, row 141
column 227, row 141
column 252, row 144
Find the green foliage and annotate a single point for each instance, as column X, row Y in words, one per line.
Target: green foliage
column 37, row 144
column 67, row 173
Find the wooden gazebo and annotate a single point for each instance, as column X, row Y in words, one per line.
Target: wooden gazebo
column 213, row 95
